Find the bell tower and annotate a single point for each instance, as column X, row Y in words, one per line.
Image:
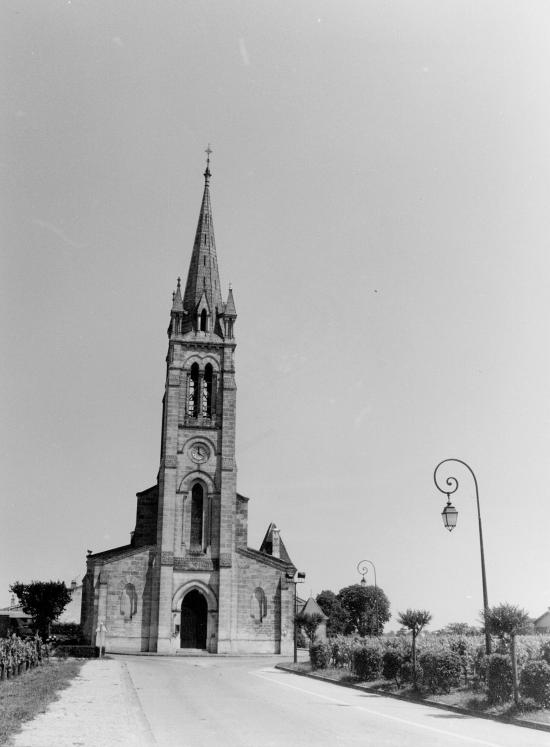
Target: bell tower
column 197, row 491
column 188, row 579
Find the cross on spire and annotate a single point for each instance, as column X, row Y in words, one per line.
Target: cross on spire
column 207, row 173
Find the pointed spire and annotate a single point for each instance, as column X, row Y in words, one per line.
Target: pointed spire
column 230, row 309
column 203, row 276
column 177, row 303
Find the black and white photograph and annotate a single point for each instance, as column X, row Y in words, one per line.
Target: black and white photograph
column 275, row 373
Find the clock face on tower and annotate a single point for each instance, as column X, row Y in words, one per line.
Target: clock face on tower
column 199, row 452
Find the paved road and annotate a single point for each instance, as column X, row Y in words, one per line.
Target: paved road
column 223, row 702
column 202, row 702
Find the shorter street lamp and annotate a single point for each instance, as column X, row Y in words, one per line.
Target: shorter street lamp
column 450, row 516
column 295, row 579
column 362, row 569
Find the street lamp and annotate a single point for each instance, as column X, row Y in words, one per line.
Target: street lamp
column 362, row 569
column 295, row 579
column 450, row 516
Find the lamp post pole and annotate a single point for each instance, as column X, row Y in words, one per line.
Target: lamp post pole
column 362, row 569
column 299, row 578
column 450, row 515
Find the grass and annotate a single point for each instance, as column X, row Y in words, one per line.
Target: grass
column 24, row 697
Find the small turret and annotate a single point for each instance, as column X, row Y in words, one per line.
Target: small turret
column 229, row 315
column 177, row 314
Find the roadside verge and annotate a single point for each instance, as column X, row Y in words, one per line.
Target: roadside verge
column 317, row 675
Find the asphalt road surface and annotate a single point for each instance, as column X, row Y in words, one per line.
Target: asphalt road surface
column 207, row 701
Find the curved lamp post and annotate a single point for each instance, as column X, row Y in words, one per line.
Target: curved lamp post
column 450, row 515
column 363, row 568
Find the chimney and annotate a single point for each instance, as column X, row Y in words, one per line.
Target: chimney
column 276, row 543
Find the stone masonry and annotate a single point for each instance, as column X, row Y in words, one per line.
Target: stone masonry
column 188, row 579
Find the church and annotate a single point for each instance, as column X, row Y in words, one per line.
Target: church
column 188, row 579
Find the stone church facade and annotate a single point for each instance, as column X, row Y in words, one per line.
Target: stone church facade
column 188, row 579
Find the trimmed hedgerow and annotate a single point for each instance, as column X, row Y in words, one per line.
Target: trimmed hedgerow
column 535, row 682
column 319, row 655
column 499, row 678
column 440, row 670
column 367, row 662
column 392, row 661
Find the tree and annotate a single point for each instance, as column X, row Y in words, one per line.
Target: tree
column 337, row 617
column 414, row 620
column 309, row 624
column 44, row 601
column 507, row 621
column 367, row 608
column 459, row 628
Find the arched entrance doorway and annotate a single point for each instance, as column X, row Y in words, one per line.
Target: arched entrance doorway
column 194, row 613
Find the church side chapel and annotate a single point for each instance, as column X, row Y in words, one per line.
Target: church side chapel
column 188, row 579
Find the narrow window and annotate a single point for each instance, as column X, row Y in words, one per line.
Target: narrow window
column 207, row 391
column 193, row 394
column 128, row 602
column 196, row 517
column 204, row 321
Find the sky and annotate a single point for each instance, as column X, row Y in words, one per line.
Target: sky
column 380, row 181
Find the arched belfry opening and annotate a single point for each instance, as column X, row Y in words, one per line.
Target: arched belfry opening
column 194, row 620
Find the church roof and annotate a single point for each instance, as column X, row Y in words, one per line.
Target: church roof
column 203, row 276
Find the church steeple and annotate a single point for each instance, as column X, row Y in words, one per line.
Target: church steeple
column 202, row 300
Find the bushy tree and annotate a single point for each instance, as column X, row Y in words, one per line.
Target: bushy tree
column 337, row 616
column 508, row 621
column 309, row 624
column 415, row 621
column 44, row 601
column 367, row 609
column 459, row 628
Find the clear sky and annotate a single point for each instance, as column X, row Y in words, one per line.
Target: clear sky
column 381, row 174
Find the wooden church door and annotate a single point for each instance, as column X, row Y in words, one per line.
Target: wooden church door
column 194, row 612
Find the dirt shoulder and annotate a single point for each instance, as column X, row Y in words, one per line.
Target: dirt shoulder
column 98, row 709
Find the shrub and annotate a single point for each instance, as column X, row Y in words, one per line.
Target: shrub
column 465, row 648
column 535, row 682
column 479, row 665
column 392, row 661
column 319, row 655
column 441, row 670
column 342, row 651
column 500, row 682
column 367, row 662
column 407, row 672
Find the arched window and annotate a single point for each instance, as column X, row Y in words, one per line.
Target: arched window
column 193, row 393
column 195, row 542
column 204, row 321
column 258, row 604
column 207, row 391
column 128, row 602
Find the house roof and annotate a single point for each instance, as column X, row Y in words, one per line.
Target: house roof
column 544, row 614
column 312, row 608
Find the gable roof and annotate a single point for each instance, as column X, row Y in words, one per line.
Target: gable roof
column 312, row 608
